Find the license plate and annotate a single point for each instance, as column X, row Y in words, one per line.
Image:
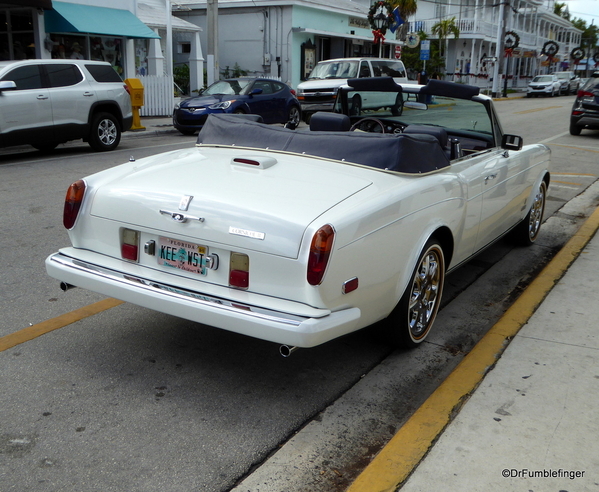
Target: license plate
column 183, row 255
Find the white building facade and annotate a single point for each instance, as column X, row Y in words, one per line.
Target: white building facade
column 532, row 23
column 284, row 38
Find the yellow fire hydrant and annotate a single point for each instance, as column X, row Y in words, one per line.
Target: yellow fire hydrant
column 136, row 91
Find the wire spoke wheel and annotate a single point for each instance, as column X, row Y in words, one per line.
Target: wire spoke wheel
column 412, row 319
column 425, row 294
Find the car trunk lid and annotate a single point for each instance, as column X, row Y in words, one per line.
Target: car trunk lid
column 259, row 202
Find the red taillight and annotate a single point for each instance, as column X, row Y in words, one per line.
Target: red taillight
column 582, row 93
column 239, row 270
column 320, row 250
column 127, row 89
column 129, row 244
column 292, row 91
column 72, row 203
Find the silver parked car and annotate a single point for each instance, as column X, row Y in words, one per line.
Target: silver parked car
column 544, row 85
column 570, row 82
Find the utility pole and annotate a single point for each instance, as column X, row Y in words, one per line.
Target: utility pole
column 212, row 54
column 503, row 12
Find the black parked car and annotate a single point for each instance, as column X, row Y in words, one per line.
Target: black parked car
column 585, row 112
column 271, row 99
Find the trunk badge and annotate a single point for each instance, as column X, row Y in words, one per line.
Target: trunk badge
column 244, row 232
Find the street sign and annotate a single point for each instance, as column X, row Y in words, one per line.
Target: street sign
column 425, row 50
column 489, row 59
column 397, row 52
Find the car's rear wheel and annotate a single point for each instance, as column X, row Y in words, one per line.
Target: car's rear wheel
column 397, row 109
column 356, row 106
column 186, row 132
column 527, row 231
column 574, row 130
column 410, row 322
column 105, row 132
column 294, row 115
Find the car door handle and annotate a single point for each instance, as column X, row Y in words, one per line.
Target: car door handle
column 88, row 94
column 490, row 176
column 42, row 96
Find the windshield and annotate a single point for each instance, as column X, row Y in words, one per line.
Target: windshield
column 542, row 78
column 563, row 75
column 345, row 69
column 228, row 87
column 446, row 112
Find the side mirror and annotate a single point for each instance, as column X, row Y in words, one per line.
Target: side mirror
column 6, row 85
column 255, row 92
column 511, row 142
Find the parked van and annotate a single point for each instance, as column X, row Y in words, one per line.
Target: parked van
column 319, row 91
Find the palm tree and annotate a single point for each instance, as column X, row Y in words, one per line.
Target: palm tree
column 562, row 10
column 443, row 29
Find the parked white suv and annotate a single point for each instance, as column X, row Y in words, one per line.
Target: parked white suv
column 48, row 102
column 319, row 91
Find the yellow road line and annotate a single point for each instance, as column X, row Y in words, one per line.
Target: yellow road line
column 575, row 148
column 47, row 326
column 396, row 461
column 566, row 183
column 574, row 174
column 538, row 109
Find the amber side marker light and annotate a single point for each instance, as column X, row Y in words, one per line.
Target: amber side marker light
column 318, row 257
column 72, row 203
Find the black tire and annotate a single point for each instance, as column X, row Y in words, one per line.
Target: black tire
column 574, row 130
column 527, row 231
column 187, row 132
column 239, row 111
column 410, row 322
column 528, row 95
column 105, row 133
column 356, row 106
column 294, row 115
column 397, row 109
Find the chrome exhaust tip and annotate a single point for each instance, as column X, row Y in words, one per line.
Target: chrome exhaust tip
column 286, row 350
column 64, row 286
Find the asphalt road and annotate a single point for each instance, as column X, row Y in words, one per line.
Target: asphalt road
column 133, row 400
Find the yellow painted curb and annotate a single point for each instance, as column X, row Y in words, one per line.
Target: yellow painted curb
column 47, row 326
column 396, row 461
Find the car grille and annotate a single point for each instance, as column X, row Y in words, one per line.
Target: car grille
column 185, row 118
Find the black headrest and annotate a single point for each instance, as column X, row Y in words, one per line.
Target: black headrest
column 331, row 122
column 439, row 133
column 450, row 89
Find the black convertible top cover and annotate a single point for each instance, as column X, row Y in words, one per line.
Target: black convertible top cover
column 414, row 153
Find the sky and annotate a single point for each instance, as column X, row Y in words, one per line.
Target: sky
column 584, row 9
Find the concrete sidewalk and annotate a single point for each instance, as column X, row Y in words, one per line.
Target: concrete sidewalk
column 521, row 419
column 533, row 422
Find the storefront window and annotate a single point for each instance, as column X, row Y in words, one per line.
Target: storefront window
column 141, row 57
column 16, row 34
column 99, row 48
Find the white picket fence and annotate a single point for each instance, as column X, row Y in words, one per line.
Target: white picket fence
column 159, row 97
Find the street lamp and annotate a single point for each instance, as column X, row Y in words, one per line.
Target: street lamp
column 509, row 42
column 381, row 23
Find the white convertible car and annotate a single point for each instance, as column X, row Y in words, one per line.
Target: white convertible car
column 302, row 236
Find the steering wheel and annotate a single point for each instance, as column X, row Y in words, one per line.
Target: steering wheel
column 368, row 125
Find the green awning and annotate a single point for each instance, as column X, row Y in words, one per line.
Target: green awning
column 71, row 17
